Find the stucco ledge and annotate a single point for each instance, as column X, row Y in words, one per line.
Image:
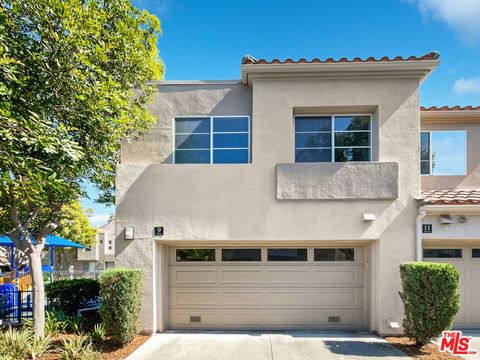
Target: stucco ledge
column 327, row 181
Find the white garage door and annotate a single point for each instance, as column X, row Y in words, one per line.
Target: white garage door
column 467, row 261
column 266, row 288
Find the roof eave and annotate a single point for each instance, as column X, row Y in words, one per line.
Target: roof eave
column 393, row 69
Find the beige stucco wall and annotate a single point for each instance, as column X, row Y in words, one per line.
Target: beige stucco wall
column 198, row 203
column 472, row 180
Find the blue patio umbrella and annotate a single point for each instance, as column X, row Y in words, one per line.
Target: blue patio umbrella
column 52, row 241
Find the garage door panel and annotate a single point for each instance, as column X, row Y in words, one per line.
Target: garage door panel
column 241, row 319
column 240, row 276
column 287, row 319
column 471, row 297
column 338, row 298
column 286, row 276
column 192, row 276
column 287, row 298
column 333, row 318
column 191, row 318
column 192, row 297
column 241, row 298
column 339, row 277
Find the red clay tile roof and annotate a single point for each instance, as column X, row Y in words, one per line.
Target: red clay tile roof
column 451, row 197
column 247, row 59
column 449, row 108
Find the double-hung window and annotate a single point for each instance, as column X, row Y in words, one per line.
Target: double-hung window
column 333, row 138
column 443, row 152
column 212, row 140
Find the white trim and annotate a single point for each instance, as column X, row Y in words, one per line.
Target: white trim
column 332, row 132
column 464, row 131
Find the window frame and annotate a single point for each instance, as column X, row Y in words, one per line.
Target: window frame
column 306, row 248
column 196, row 261
column 462, row 253
column 332, row 136
column 430, row 151
column 240, row 248
column 212, row 148
column 335, row 248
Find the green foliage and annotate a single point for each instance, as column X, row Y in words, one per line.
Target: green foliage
column 55, row 322
column 74, row 224
column 74, row 324
column 22, row 344
column 78, row 348
column 97, row 335
column 75, row 80
column 70, row 295
column 120, row 293
column 431, row 299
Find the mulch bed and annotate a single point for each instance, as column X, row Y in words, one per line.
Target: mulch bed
column 427, row 352
column 108, row 352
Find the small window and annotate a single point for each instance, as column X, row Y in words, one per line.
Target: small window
column 241, row 255
column 443, row 152
column 195, row 254
column 109, row 248
column 475, row 253
column 287, row 254
column 212, row 140
column 337, row 138
column 442, row 253
column 343, row 254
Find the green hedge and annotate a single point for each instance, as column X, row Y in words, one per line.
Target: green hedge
column 120, row 295
column 431, row 299
column 70, row 295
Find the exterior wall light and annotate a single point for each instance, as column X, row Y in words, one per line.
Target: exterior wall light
column 368, row 217
column 129, row 233
column 446, row 219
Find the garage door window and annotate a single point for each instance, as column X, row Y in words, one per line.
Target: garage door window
column 475, row 253
column 343, row 254
column 241, row 254
column 195, row 254
column 442, row 253
column 287, row 254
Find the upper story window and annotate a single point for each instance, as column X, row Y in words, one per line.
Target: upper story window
column 443, row 152
column 333, row 138
column 212, row 140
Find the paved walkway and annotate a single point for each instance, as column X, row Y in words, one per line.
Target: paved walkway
column 265, row 346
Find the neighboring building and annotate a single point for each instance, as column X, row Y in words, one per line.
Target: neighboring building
column 102, row 254
column 288, row 200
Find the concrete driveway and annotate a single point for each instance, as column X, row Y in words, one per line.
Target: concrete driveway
column 265, row 346
column 475, row 343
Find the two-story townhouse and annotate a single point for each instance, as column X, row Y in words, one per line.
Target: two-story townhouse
column 285, row 200
column 100, row 255
column 449, row 214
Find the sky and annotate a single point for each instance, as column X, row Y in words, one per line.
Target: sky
column 206, row 40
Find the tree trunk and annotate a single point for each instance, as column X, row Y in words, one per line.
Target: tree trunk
column 38, row 291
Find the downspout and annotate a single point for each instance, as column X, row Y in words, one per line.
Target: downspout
column 418, row 237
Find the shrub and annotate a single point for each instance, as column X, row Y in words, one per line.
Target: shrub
column 71, row 295
column 22, row 344
column 78, row 348
column 120, row 292
column 97, row 334
column 431, row 299
column 55, row 322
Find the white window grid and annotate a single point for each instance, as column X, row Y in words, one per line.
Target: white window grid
column 332, row 133
column 211, row 133
column 430, row 153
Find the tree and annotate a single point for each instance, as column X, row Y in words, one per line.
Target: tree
column 74, row 82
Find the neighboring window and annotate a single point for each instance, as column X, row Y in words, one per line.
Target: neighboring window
column 241, row 255
column 442, row 253
column 212, row 140
column 336, row 138
column 109, row 248
column 344, row 254
column 475, row 253
column 195, row 254
column 101, row 237
column 287, row 254
column 86, row 266
column 443, row 152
